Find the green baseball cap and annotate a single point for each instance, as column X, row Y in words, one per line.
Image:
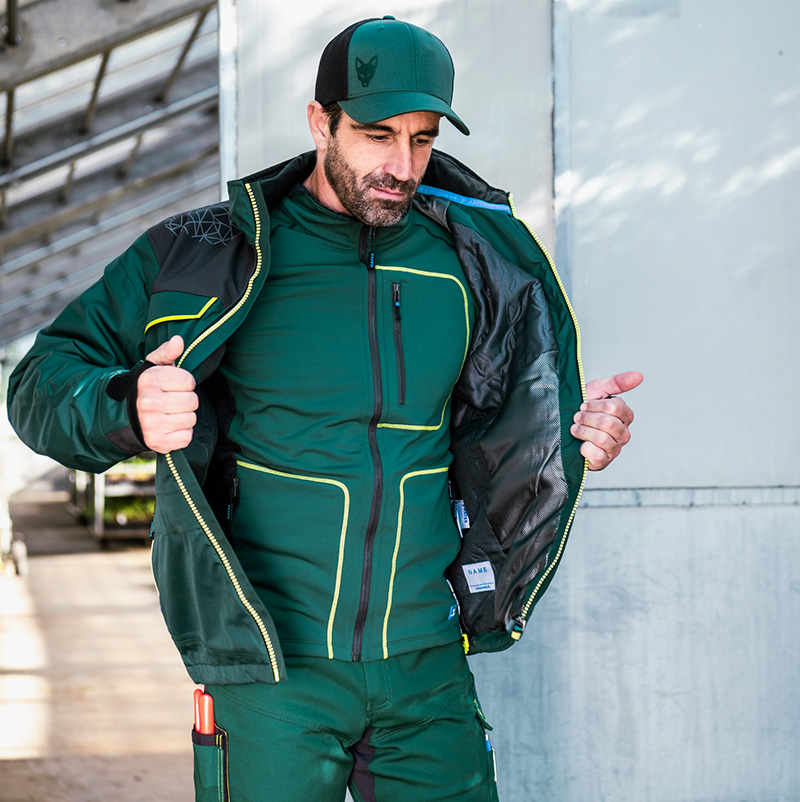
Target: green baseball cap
column 379, row 68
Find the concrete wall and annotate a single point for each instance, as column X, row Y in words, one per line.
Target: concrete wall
column 662, row 664
column 664, row 660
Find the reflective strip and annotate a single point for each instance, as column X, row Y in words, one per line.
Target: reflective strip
column 180, row 317
column 463, row 200
column 397, row 549
column 342, row 536
column 465, row 296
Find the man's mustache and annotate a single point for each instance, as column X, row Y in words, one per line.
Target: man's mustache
column 386, row 181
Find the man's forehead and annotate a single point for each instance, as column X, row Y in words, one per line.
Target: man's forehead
column 412, row 121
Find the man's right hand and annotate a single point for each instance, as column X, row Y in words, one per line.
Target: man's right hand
column 166, row 400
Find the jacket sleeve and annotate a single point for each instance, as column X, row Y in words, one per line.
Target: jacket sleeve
column 68, row 397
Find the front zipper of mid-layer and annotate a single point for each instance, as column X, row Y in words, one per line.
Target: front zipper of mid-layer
column 398, row 345
column 366, row 253
column 234, row 580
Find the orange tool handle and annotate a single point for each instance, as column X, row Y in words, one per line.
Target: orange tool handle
column 203, row 713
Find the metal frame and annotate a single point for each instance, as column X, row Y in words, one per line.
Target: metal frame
column 13, row 36
column 200, row 13
column 70, row 156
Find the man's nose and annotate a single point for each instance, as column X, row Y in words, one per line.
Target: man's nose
column 399, row 162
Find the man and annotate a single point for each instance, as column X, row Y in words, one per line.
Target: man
column 367, row 342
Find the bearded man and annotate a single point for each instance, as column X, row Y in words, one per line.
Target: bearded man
column 362, row 378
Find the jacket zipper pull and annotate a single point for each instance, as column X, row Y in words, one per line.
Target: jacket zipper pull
column 398, row 346
column 366, row 246
column 233, row 496
column 517, row 626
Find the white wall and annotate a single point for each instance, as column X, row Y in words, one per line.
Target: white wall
column 502, row 56
column 681, row 190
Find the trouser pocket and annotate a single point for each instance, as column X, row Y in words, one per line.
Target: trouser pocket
column 490, row 755
column 210, row 766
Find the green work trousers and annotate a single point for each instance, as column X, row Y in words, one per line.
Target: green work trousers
column 405, row 729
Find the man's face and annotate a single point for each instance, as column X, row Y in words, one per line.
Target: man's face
column 374, row 170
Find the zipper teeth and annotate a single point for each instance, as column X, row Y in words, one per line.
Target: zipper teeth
column 228, row 315
column 551, row 567
column 226, row 563
column 368, row 257
column 535, row 591
column 192, row 506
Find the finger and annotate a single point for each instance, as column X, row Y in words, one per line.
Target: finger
column 168, row 352
column 607, row 424
column 602, row 440
column 164, row 442
column 615, row 407
column 166, row 379
column 596, row 458
column 166, row 403
column 610, row 385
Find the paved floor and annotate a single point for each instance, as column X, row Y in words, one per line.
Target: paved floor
column 95, row 705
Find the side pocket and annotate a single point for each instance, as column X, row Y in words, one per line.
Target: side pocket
column 210, row 766
column 490, row 755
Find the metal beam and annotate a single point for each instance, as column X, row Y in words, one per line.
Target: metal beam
column 88, row 121
column 8, row 141
column 107, row 138
column 13, row 36
column 201, row 18
column 68, row 33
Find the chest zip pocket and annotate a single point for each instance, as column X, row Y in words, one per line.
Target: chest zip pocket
column 398, row 345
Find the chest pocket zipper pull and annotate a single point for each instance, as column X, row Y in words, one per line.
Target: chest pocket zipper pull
column 398, row 345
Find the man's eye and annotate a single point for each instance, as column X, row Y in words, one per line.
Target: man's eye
column 378, row 137
column 423, row 142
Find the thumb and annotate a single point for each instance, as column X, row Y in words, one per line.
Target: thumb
column 167, row 352
column 611, row 385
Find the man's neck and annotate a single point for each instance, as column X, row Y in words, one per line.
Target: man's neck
column 321, row 190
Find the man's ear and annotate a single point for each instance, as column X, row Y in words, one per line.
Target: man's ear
column 318, row 124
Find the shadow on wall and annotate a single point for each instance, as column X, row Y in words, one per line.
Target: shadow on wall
column 683, row 129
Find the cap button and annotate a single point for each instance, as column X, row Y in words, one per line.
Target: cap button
column 389, row 16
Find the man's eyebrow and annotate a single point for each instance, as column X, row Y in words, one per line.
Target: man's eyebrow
column 372, row 127
column 432, row 132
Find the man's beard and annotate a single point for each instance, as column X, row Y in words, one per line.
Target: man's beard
column 352, row 191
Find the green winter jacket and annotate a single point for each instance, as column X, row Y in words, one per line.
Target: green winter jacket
column 515, row 464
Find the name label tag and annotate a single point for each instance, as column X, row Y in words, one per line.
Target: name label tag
column 480, row 576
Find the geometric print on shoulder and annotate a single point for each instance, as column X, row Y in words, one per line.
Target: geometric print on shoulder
column 212, row 224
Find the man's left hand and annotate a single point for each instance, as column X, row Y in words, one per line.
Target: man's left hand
column 604, row 420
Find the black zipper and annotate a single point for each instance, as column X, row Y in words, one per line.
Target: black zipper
column 366, row 253
column 398, row 345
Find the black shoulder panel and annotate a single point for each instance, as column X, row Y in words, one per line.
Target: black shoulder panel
column 202, row 251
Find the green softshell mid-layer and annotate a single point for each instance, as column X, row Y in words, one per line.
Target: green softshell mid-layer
column 340, row 512
column 515, row 464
